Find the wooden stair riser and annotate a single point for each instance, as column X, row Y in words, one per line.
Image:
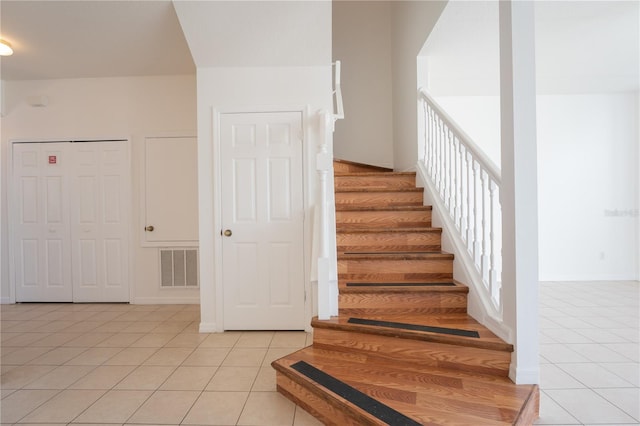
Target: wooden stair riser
column 378, row 198
column 330, row 410
column 384, row 219
column 398, row 303
column 375, row 181
column 394, row 270
column 418, row 352
column 428, row 240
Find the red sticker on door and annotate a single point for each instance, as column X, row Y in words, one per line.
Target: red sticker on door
column 53, row 159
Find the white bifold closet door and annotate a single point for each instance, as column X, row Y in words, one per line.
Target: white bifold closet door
column 70, row 221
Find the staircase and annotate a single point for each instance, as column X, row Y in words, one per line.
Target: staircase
column 403, row 350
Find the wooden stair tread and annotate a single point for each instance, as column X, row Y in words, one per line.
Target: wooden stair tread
column 408, row 255
column 427, row 395
column 432, row 280
column 456, row 321
column 373, row 230
column 401, row 287
column 365, row 189
column 346, row 208
column 373, row 173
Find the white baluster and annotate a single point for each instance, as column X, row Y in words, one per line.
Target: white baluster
column 484, row 266
column 425, row 136
column 436, row 149
column 456, row 182
column 493, row 277
column 469, row 210
column 441, row 156
column 445, row 158
column 440, row 159
column 476, row 216
column 449, row 172
column 431, row 143
column 461, row 218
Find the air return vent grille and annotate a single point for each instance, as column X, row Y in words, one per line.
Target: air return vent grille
column 178, row 268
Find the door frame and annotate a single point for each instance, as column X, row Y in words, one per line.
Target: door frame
column 12, row 212
column 308, row 156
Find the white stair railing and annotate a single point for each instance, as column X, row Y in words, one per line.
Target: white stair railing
column 326, row 261
column 467, row 185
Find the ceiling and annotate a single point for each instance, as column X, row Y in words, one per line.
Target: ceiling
column 92, row 38
column 581, row 45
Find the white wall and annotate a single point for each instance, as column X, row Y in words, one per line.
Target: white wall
column 249, row 89
column 256, row 33
column 362, row 42
column 479, row 117
column 252, row 56
column 588, row 170
column 133, row 107
column 412, row 21
column 378, row 43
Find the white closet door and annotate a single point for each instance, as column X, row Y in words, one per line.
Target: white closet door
column 41, row 242
column 99, row 222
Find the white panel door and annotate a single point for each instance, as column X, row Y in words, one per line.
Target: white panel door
column 171, row 190
column 41, row 237
column 99, row 222
column 262, row 218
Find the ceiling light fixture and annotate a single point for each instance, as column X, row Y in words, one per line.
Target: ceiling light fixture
column 5, row 48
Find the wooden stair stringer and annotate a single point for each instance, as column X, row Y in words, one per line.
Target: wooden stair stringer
column 345, row 166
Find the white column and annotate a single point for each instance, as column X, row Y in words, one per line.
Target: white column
column 519, row 186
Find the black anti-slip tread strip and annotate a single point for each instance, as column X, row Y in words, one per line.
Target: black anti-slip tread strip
column 443, row 284
column 415, row 327
column 354, row 396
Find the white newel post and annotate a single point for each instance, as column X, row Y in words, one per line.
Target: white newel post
column 519, row 186
column 323, row 165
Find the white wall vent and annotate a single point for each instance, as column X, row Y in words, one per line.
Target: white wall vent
column 179, row 268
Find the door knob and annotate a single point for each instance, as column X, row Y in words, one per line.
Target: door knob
column 149, row 228
column 227, row 233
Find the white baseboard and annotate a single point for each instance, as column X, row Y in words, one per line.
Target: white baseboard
column 587, row 277
column 141, row 301
column 166, row 301
column 208, row 327
column 524, row 376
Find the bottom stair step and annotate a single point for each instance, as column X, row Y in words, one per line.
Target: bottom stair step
column 354, row 389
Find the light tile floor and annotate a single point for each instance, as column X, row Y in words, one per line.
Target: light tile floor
column 589, row 353
column 140, row 364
